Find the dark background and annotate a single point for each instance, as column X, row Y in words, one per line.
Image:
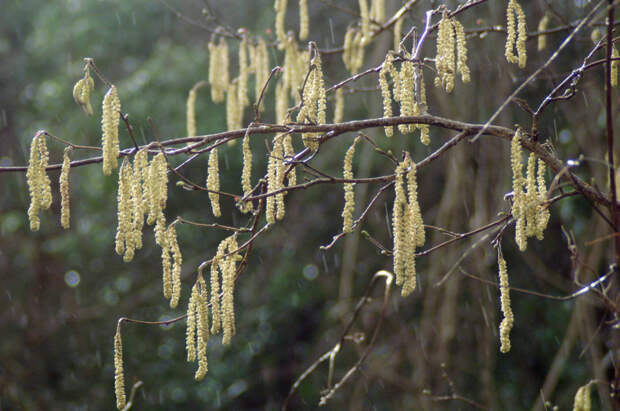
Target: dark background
column 56, row 349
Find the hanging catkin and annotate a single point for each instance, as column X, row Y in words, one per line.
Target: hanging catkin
column 110, row 119
column 517, row 34
column 65, row 211
column 349, row 194
column 213, row 182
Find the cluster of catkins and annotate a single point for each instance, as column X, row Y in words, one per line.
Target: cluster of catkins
column 223, row 270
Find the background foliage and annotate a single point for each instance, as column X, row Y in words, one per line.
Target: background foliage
column 56, row 349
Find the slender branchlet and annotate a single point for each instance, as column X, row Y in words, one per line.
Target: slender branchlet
column 65, row 209
column 246, row 174
column 260, row 66
column 289, row 152
column 349, row 194
column 119, row 374
column 543, row 24
column 242, row 83
column 445, row 59
column 82, row 91
column 124, row 232
column 280, row 8
column 202, row 325
column 583, row 401
column 110, row 118
column 39, row 185
column 177, row 262
column 517, row 34
column 339, row 106
column 504, row 292
column 353, row 55
column 304, row 20
column 398, row 33
column 213, row 182
column 518, row 182
column 365, row 15
column 398, row 223
column 234, row 112
column 614, row 66
column 377, row 10
column 218, row 69
column 387, row 67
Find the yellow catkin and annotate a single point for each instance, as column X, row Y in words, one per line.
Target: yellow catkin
column 414, row 229
column 398, row 32
column 542, row 26
column 216, row 264
column 213, row 182
column 110, row 119
column 304, row 20
column 39, row 185
column 412, row 187
column 157, row 195
column 280, row 8
column 124, row 230
column 406, row 100
column 275, row 203
column 365, row 15
column 242, row 83
column 353, row 55
column 281, row 102
column 228, row 283
column 119, row 377
column 339, row 106
column 543, row 211
column 461, row 50
column 82, row 91
column 246, row 173
column 190, row 328
column 191, row 109
column 65, row 210
column 377, row 10
column 444, row 60
column 583, row 401
column 289, row 152
column 614, row 66
column 138, row 195
column 398, row 223
column 218, row 69
column 531, row 197
column 349, row 194
column 517, row 34
column 260, row 68
column 234, row 111
column 518, row 181
column 166, row 265
column 386, row 94
column 421, row 105
column 202, row 325
column 177, row 263
column 508, row 320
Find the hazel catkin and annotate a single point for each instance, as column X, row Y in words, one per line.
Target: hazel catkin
column 65, row 211
column 110, row 119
